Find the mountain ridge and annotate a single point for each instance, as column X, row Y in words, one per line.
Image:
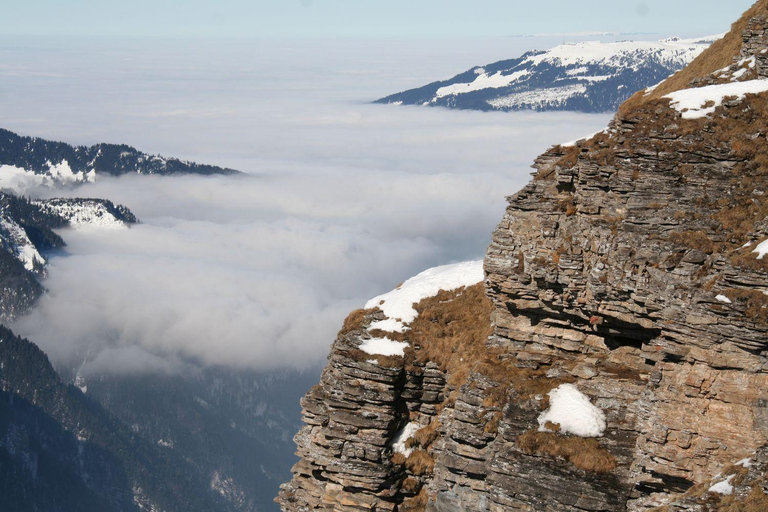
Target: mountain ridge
column 49, row 162
column 586, row 77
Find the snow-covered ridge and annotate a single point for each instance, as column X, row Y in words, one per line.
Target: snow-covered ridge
column 589, row 76
column 81, row 213
column 398, row 305
column 28, row 162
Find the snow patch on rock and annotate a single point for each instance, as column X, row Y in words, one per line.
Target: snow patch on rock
column 402, row 436
column 383, row 347
column 573, row 411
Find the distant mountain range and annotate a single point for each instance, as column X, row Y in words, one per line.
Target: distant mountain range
column 584, row 77
column 37, row 161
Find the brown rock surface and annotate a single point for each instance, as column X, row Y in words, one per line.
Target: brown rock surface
column 605, row 272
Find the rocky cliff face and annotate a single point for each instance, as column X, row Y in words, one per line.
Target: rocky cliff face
column 630, row 267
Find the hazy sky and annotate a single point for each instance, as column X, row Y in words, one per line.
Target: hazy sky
column 375, row 18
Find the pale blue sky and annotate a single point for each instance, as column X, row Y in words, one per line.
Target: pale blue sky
column 374, row 18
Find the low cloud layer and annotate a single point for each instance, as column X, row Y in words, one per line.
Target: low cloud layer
column 342, row 201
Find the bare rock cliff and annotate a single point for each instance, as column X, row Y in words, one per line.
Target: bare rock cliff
column 626, row 268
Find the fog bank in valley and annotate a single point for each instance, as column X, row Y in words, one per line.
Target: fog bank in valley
column 341, row 200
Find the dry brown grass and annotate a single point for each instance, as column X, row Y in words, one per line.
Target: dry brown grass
column 398, row 459
column 756, row 301
column 452, row 329
column 354, row 321
column 696, row 240
column 410, row 485
column 755, row 501
column 734, row 133
column 419, row 463
column 424, row 437
column 584, row 453
column 717, row 56
column 570, row 157
column 744, row 257
column 567, row 206
column 416, row 504
column 386, row 361
column 492, row 427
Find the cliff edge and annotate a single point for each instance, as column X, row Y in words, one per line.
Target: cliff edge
column 614, row 356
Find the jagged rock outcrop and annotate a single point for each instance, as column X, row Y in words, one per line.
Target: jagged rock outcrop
column 627, row 268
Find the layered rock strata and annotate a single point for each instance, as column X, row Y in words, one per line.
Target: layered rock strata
column 628, row 268
column 352, row 418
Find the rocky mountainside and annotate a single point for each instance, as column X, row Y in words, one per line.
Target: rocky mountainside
column 60, row 450
column 614, row 358
column 585, row 77
column 35, row 161
column 233, row 427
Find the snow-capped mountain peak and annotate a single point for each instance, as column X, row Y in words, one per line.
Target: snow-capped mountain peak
column 589, row 76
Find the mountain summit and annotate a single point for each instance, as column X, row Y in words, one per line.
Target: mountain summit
column 586, row 77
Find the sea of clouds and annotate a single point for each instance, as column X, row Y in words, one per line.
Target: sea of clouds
column 341, row 201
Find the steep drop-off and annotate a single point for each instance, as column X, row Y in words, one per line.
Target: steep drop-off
column 631, row 268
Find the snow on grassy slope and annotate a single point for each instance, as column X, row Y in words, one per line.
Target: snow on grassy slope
column 539, row 97
column 483, row 81
column 572, row 410
column 699, row 102
column 398, row 304
column 761, row 250
column 724, row 487
column 614, row 54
